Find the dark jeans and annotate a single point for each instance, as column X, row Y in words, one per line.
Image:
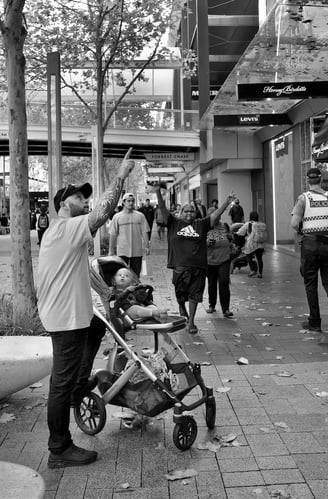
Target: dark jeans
column 219, row 275
column 314, row 256
column 73, row 356
column 134, row 262
column 252, row 263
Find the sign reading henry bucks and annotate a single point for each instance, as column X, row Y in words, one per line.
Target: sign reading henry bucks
column 282, row 90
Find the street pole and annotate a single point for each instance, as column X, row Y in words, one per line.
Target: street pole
column 54, row 128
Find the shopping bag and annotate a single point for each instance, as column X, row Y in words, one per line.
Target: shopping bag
column 145, row 267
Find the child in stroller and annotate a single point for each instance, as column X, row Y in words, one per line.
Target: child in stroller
column 137, row 300
column 147, row 385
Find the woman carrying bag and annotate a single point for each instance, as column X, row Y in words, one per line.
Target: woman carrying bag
column 254, row 245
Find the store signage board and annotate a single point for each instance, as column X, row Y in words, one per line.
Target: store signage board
column 281, row 146
column 170, row 156
column 251, row 120
column 282, row 90
column 165, row 169
column 214, row 90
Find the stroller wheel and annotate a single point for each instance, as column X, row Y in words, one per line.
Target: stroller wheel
column 90, row 415
column 185, row 433
column 210, row 413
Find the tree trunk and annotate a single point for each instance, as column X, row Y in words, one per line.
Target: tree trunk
column 24, row 299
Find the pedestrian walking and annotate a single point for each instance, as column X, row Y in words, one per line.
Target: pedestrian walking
column 236, row 213
column 128, row 234
column 218, row 270
column 310, row 218
column 149, row 213
column 42, row 223
column 160, row 222
column 66, row 310
column 187, row 254
column 255, row 232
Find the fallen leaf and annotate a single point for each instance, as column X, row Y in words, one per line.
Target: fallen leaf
column 264, row 334
column 125, row 485
column 36, row 385
column 242, row 360
column 282, row 425
column 209, row 446
column 226, row 380
column 236, row 335
column 180, row 474
column 269, row 349
column 284, row 374
column 198, row 342
column 223, row 389
column 267, row 430
column 205, row 364
column 6, row 417
column 279, row 357
column 256, row 376
column 322, row 394
column 266, row 323
column 226, row 439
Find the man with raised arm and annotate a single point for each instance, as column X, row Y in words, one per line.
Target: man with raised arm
column 187, row 253
column 65, row 306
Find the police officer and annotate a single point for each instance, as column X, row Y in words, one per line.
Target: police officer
column 310, row 218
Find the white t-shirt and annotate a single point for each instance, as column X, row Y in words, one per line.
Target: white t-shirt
column 131, row 229
column 64, row 293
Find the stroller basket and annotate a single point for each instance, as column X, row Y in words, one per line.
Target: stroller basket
column 148, row 399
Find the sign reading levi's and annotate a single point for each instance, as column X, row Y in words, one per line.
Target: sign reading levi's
column 282, row 90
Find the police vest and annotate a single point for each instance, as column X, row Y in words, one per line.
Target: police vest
column 316, row 213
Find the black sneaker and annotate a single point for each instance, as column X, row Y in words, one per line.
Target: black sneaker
column 227, row 314
column 77, row 395
column 308, row 327
column 72, row 456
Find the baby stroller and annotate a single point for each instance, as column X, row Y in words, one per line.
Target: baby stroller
column 129, row 380
column 239, row 259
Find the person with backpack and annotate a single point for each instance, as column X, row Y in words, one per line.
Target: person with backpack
column 42, row 223
column 256, row 235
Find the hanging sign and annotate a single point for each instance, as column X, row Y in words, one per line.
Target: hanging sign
column 282, row 90
column 281, row 146
column 251, row 120
column 170, row 156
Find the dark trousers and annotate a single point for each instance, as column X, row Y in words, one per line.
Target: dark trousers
column 73, row 356
column 134, row 262
column 252, row 263
column 314, row 259
column 219, row 275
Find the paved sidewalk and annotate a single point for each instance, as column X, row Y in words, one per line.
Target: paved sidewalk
column 273, row 411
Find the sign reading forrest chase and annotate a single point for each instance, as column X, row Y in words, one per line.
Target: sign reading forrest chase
column 282, row 90
column 170, row 156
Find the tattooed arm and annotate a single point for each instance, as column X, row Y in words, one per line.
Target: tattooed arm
column 107, row 203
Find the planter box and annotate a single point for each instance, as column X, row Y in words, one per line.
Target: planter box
column 23, row 361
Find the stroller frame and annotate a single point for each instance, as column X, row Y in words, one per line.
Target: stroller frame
column 90, row 415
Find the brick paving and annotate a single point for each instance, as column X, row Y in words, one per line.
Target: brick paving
column 272, row 406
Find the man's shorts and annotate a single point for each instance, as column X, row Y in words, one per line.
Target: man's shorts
column 189, row 283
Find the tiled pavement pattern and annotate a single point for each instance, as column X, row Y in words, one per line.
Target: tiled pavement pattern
column 272, row 406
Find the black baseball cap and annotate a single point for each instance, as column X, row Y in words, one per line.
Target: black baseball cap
column 69, row 190
column 313, row 173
